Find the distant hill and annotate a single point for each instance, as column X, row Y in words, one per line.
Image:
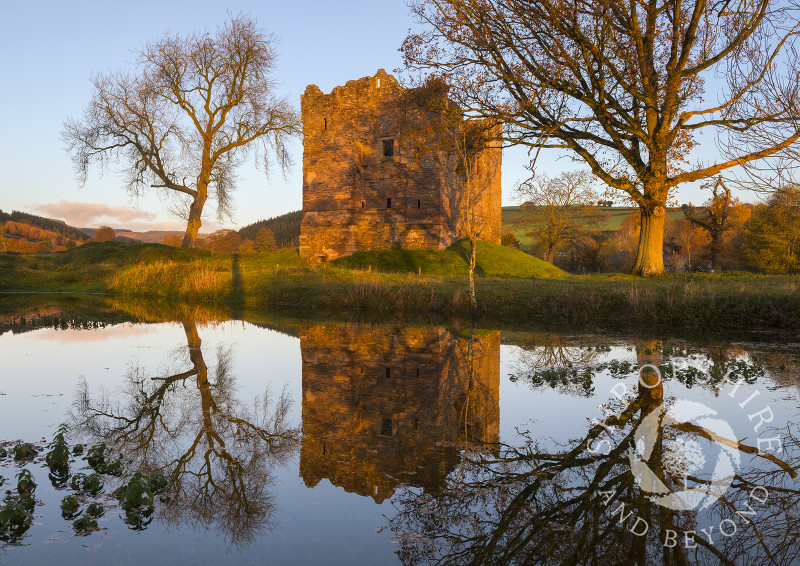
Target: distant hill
column 286, row 228
column 49, row 224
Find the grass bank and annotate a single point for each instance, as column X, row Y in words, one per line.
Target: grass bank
column 385, row 285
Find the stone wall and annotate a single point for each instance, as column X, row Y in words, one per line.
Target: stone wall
column 383, row 407
column 376, row 174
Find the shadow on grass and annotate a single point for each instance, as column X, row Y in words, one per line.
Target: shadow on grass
column 235, row 299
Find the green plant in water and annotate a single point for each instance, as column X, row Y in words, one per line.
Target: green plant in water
column 24, row 451
column 95, row 509
column 25, row 482
column 57, row 458
column 84, row 525
column 96, row 457
column 91, row 484
column 136, row 494
column 69, row 506
column 15, row 519
column 136, row 499
column 158, row 482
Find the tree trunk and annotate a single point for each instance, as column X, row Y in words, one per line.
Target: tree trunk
column 716, row 256
column 551, row 254
column 473, row 302
column 195, row 219
column 649, row 258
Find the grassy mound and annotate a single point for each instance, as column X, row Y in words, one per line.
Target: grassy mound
column 119, row 253
column 491, row 261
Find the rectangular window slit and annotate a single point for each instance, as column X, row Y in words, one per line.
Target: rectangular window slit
column 386, row 427
column 388, row 148
column 326, row 123
column 388, row 371
column 388, row 203
column 419, row 203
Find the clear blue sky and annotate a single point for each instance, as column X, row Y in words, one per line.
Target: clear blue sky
column 49, row 49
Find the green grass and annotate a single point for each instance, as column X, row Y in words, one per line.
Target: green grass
column 491, row 260
column 536, row 294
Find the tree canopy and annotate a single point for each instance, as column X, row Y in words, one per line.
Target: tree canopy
column 182, row 122
column 623, row 86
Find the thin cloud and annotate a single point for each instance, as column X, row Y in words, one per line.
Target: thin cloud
column 84, row 214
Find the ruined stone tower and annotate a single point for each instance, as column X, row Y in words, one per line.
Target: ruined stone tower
column 381, row 171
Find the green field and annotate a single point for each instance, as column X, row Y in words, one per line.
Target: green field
column 612, row 221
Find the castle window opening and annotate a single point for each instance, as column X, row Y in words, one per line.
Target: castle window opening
column 386, row 427
column 362, row 204
column 378, row 82
column 388, row 371
column 389, row 202
column 388, row 148
column 326, row 123
column 419, row 203
column 417, row 372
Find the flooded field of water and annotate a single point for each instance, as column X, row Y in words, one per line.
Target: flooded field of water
column 191, row 439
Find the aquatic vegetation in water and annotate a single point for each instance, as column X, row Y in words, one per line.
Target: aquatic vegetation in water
column 24, row 451
column 57, row 458
column 70, row 506
column 25, row 482
column 96, row 509
column 16, row 513
column 84, row 525
column 96, row 457
column 90, row 484
column 136, row 499
column 15, row 519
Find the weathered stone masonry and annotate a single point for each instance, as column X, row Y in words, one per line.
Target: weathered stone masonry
column 375, row 176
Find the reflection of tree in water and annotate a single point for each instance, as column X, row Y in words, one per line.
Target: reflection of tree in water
column 548, row 359
column 580, row 503
column 217, row 453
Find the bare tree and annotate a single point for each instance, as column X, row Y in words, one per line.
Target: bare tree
column 192, row 111
column 467, row 165
column 468, row 174
column 622, row 86
column 714, row 218
column 560, row 209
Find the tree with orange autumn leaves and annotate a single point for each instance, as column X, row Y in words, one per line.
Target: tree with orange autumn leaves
column 620, row 85
column 720, row 214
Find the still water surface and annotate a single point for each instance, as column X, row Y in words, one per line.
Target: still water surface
column 331, row 443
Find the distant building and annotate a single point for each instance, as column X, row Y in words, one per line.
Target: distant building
column 377, row 173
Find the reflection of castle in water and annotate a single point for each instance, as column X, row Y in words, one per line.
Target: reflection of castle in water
column 385, row 406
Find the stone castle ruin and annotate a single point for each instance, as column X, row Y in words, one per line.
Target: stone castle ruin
column 381, row 169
